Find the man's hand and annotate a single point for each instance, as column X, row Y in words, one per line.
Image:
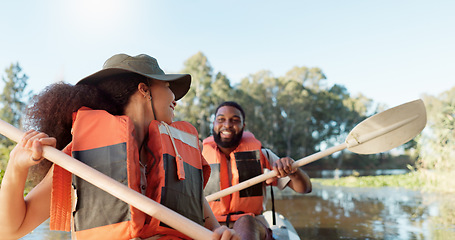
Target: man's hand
column 283, row 167
column 300, row 182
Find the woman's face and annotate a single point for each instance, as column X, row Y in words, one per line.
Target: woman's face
column 163, row 101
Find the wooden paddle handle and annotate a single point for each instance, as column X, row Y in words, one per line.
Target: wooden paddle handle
column 115, row 188
column 258, row 179
column 318, row 155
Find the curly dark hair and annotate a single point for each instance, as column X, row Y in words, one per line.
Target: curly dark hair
column 51, row 111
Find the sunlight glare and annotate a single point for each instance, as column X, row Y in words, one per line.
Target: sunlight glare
column 97, row 11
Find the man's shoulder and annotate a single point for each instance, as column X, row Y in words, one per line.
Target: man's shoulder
column 248, row 134
column 208, row 140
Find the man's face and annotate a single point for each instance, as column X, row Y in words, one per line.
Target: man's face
column 228, row 127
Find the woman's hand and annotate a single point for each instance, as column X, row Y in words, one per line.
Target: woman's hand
column 29, row 151
column 224, row 233
column 19, row 216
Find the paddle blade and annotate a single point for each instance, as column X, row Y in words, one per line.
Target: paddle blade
column 388, row 129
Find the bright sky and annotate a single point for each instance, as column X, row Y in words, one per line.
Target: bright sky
column 391, row 51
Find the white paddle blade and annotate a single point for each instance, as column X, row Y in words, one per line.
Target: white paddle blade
column 388, row 129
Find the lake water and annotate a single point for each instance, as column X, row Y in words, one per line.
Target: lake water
column 352, row 213
column 368, row 213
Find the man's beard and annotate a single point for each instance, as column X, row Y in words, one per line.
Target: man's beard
column 231, row 144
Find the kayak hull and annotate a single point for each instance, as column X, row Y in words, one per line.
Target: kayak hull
column 283, row 229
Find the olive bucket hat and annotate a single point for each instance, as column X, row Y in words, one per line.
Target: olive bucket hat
column 143, row 65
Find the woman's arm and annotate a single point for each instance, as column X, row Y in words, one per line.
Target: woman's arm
column 209, row 218
column 19, row 216
column 219, row 232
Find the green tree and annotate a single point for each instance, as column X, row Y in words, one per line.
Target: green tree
column 12, row 105
column 297, row 99
column 12, row 98
column 354, row 110
column 221, row 89
column 295, row 115
column 256, row 94
column 196, row 106
column 288, row 114
column 437, row 143
column 206, row 92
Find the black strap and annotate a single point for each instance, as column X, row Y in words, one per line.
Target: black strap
column 271, row 194
column 273, row 206
column 228, row 217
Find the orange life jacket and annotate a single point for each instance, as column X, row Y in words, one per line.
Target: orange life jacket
column 106, row 143
column 249, row 162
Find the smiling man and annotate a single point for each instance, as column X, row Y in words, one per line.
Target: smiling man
column 236, row 155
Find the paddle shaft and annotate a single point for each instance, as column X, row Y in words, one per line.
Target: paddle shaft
column 357, row 141
column 115, row 188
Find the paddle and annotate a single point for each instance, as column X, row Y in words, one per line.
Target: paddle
column 115, row 188
column 379, row 133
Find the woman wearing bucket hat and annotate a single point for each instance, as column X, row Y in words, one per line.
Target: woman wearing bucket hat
column 119, row 121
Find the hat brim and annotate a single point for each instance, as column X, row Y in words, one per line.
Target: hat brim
column 178, row 83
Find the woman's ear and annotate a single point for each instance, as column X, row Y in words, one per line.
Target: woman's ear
column 143, row 89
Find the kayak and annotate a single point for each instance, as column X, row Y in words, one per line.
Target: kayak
column 283, row 229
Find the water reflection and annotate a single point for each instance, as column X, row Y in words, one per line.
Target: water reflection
column 344, row 173
column 42, row 232
column 331, row 212
column 368, row 213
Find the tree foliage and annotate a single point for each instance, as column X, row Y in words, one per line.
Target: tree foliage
column 196, row 106
column 437, row 143
column 12, row 98
column 295, row 115
column 12, row 104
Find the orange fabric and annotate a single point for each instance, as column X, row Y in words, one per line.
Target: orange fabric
column 60, row 215
column 105, row 232
column 180, row 168
column 185, row 153
column 233, row 203
column 108, row 124
column 90, row 124
column 224, row 178
column 93, row 124
column 163, row 145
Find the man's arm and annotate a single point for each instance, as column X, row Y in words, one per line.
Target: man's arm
column 299, row 180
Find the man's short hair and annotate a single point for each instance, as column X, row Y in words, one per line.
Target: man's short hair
column 231, row 104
